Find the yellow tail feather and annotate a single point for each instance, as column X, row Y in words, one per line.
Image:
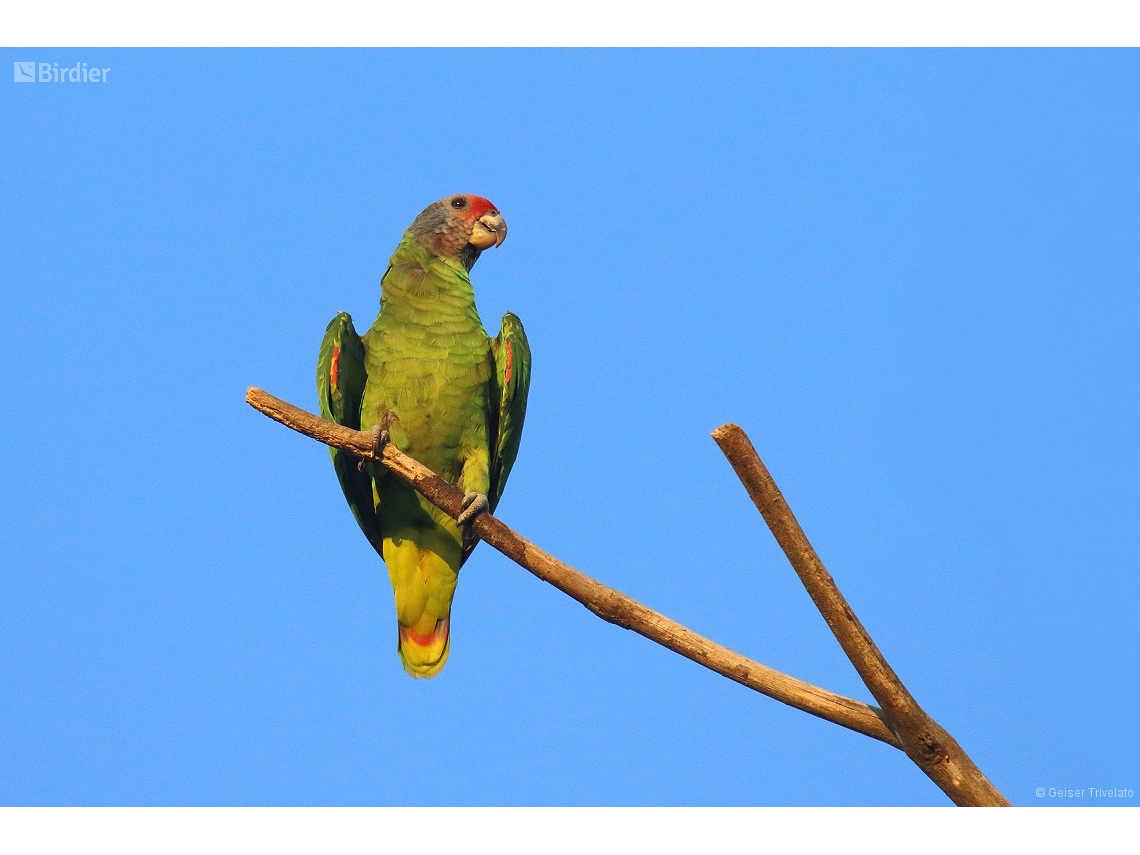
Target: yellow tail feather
column 425, row 655
column 423, row 580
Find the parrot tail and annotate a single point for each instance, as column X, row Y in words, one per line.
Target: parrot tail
column 425, row 655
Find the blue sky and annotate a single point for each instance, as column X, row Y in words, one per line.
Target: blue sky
column 910, row 275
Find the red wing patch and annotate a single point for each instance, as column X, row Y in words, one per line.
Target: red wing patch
column 510, row 365
column 335, row 370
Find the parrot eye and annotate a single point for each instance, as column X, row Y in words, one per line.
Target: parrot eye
column 459, row 203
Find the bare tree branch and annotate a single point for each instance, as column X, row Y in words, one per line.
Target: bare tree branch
column 933, row 749
column 901, row 723
column 605, row 602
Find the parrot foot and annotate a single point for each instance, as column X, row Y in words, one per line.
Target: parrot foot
column 473, row 505
column 380, row 438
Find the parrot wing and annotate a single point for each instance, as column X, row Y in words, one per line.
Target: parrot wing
column 340, row 386
column 512, row 371
column 506, row 411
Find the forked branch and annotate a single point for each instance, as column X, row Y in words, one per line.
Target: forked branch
column 609, row 604
column 924, row 741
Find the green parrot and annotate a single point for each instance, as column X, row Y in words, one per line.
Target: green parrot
column 428, row 378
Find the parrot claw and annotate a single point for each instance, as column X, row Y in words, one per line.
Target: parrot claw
column 473, row 505
column 380, row 438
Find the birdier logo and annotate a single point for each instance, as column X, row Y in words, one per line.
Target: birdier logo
column 50, row 72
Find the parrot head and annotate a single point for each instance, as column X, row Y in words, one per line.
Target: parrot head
column 459, row 227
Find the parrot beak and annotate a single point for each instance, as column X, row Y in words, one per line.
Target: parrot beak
column 490, row 230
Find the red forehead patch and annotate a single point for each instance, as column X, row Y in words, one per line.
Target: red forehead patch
column 479, row 205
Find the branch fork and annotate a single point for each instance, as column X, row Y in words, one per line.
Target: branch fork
column 899, row 721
